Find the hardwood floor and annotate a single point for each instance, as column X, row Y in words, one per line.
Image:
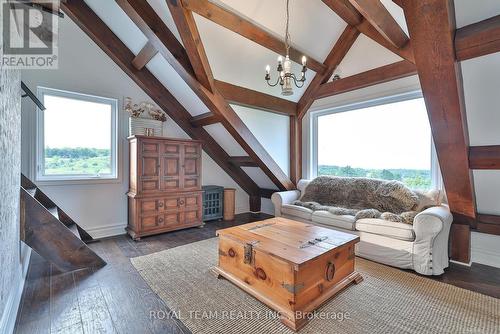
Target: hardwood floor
column 115, row 299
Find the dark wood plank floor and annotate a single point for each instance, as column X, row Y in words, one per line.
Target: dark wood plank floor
column 115, row 299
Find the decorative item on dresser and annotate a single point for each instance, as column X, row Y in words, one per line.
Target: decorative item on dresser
column 138, row 125
column 165, row 185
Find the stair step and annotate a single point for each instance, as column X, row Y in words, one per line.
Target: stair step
column 74, row 229
column 54, row 212
column 31, row 191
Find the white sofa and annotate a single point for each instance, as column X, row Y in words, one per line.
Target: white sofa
column 422, row 246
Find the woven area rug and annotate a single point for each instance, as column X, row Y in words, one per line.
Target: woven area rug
column 387, row 301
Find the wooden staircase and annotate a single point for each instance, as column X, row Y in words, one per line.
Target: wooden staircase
column 49, row 231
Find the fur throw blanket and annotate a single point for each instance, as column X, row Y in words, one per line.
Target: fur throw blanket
column 362, row 198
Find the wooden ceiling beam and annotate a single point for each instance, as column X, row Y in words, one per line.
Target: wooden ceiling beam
column 243, row 161
column 478, row 39
column 350, row 14
column 345, row 10
column 144, row 56
column 380, row 18
column 247, row 29
column 97, row 30
column 484, row 157
column 186, row 26
column 160, row 36
column 489, row 224
column 204, row 119
column 431, row 24
column 250, row 98
column 401, row 69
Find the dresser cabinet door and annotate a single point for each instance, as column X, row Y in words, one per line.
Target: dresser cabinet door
column 149, row 166
column 172, row 166
column 191, row 177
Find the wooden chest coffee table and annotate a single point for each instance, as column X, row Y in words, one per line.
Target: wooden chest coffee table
column 290, row 266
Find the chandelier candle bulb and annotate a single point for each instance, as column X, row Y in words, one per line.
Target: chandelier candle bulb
column 304, row 60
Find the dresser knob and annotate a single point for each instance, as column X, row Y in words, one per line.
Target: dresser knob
column 160, row 220
column 181, row 202
column 160, row 204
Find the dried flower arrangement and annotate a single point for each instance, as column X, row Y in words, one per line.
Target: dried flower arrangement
column 136, row 110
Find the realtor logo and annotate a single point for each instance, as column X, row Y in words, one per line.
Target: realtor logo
column 30, row 34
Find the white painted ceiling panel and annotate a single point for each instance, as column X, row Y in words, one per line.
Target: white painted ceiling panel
column 161, row 8
column 472, row 11
column 259, row 177
column 314, row 27
column 162, row 70
column 487, row 186
column 271, row 130
column 481, row 78
column 225, row 140
column 116, row 19
column 364, row 55
column 242, row 62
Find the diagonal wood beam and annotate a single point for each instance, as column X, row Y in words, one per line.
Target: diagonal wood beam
column 431, row 24
column 338, row 52
column 349, row 13
column 156, row 31
column 254, row 99
column 380, row 18
column 478, row 39
column 190, row 36
column 144, row 56
column 231, row 121
column 247, row 29
column 333, row 60
column 243, row 161
column 376, row 76
column 97, row 30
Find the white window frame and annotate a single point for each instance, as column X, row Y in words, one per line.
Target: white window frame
column 436, row 180
column 40, row 138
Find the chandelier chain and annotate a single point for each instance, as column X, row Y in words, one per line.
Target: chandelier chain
column 287, row 33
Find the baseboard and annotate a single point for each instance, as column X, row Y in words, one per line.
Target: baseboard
column 9, row 316
column 462, row 263
column 107, row 231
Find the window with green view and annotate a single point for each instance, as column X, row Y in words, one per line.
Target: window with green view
column 389, row 141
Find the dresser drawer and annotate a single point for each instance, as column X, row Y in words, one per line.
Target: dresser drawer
column 151, row 206
column 161, row 221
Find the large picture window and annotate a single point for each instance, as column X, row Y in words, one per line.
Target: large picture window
column 76, row 136
column 387, row 139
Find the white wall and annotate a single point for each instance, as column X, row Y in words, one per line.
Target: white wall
column 83, row 67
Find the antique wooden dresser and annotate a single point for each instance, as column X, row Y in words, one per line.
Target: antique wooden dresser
column 165, row 185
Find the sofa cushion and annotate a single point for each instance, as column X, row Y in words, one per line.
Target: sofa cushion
column 327, row 218
column 297, row 211
column 383, row 227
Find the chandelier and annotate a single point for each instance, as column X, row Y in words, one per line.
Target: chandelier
column 284, row 68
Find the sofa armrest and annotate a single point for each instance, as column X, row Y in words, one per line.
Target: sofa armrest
column 283, row 197
column 432, row 229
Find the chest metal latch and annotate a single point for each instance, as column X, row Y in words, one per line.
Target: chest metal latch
column 313, row 242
